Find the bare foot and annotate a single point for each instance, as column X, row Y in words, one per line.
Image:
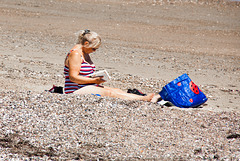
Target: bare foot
column 156, row 98
column 149, row 97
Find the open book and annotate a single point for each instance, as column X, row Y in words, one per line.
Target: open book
column 100, row 73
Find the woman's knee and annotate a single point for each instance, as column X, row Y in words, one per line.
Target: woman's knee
column 108, row 92
column 116, row 90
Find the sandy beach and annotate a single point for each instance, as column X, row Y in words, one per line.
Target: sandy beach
column 146, row 44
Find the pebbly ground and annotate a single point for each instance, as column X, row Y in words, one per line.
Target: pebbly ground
column 71, row 127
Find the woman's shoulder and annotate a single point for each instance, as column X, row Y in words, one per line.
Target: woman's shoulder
column 74, row 56
column 74, row 52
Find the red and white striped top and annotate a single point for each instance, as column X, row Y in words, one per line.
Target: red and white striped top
column 85, row 70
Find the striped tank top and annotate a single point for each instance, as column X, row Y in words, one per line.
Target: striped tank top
column 85, row 70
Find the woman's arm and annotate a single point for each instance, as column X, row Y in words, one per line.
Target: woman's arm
column 74, row 64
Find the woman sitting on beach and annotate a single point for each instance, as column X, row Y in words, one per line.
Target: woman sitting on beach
column 78, row 65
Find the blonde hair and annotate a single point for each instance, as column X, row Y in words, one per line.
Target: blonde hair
column 92, row 37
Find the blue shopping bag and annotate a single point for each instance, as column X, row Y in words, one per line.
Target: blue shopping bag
column 182, row 92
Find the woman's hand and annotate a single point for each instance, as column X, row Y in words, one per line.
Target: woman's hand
column 98, row 80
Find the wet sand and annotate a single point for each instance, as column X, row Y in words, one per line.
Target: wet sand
column 146, row 44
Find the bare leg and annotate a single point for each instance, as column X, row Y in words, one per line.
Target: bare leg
column 112, row 92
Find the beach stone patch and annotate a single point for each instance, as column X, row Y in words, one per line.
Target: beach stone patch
column 59, row 126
